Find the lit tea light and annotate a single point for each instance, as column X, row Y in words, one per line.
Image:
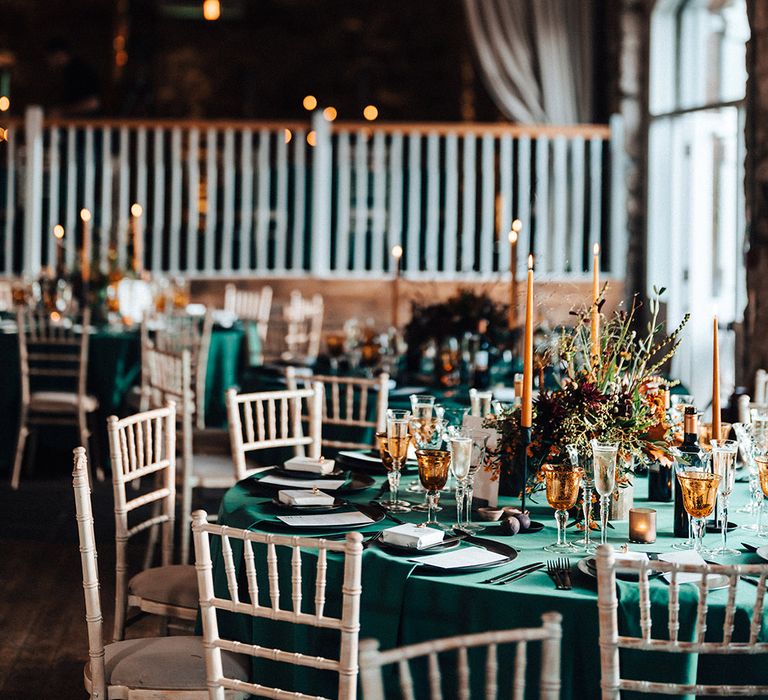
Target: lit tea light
column 642, row 525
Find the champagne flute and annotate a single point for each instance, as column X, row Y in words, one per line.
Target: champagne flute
column 698, row 487
column 587, row 484
column 461, row 457
column 422, row 405
column 724, row 466
column 398, row 439
column 604, row 469
column 433, row 472
column 562, row 483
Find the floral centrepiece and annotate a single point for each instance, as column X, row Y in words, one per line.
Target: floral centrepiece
column 613, row 397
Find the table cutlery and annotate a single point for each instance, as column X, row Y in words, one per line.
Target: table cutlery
column 500, row 577
column 559, row 573
column 518, row 576
column 749, row 547
column 375, row 538
column 565, row 571
column 387, row 514
column 442, row 543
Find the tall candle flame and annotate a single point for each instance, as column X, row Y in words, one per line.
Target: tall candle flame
column 530, row 262
column 397, row 251
column 85, row 215
column 512, row 236
column 596, row 249
column 58, row 231
column 136, row 209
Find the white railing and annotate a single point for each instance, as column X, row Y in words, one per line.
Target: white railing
column 294, row 198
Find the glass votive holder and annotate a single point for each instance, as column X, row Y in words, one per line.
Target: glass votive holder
column 642, row 525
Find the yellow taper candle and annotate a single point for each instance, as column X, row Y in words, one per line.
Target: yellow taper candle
column 397, row 254
column 595, row 327
column 138, row 249
column 715, row 383
column 85, row 259
column 58, row 234
column 526, row 419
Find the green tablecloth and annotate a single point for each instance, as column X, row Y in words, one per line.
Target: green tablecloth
column 113, row 368
column 400, row 606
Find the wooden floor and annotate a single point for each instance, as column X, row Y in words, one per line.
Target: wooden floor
column 43, row 643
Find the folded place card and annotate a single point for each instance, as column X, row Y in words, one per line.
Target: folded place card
column 464, row 556
column 487, row 477
column 310, row 464
column 686, row 556
column 309, row 497
column 326, row 485
column 410, row 535
column 330, row 520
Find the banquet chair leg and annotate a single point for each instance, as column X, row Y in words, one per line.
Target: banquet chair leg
column 19, row 458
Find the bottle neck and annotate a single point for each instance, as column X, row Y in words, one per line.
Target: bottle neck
column 690, row 428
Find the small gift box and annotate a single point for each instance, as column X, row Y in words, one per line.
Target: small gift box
column 308, row 464
column 410, row 535
column 300, row 497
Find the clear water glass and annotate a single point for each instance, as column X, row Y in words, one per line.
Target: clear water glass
column 461, row 458
column 587, row 485
column 724, row 466
column 480, row 402
column 479, row 438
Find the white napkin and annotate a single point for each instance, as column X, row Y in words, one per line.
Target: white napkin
column 686, row 556
column 332, row 519
column 300, row 497
column 410, row 535
column 465, row 556
column 309, row 464
column 326, row 485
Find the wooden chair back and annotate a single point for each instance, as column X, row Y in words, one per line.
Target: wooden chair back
column 347, row 403
column 6, row 295
column 267, row 419
column 668, row 639
column 304, row 326
column 93, row 617
column 141, row 446
column 52, row 349
column 249, row 305
column 549, row 634
column 269, row 550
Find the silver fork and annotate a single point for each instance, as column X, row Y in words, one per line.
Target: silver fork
column 554, row 573
column 564, row 569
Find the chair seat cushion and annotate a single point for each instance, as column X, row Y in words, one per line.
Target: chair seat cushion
column 173, row 585
column 167, row 663
column 60, row 402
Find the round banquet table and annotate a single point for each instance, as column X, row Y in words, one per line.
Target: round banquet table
column 114, row 367
column 400, row 606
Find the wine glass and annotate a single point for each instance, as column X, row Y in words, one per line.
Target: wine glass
column 604, row 470
column 422, row 405
column 698, row 487
column 587, row 484
column 479, row 439
column 461, row 458
column 433, row 472
column 454, row 419
column 562, row 483
column 426, row 434
column 724, row 466
column 480, row 402
column 398, row 439
column 762, row 471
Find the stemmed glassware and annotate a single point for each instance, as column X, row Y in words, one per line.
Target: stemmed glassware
column 398, row 439
column 698, row 487
column 422, row 408
column 762, row 472
column 461, row 458
column 480, row 402
column 724, row 466
column 426, row 434
column 479, row 439
column 433, row 472
column 562, row 484
column 587, row 484
column 604, row 470
column 454, row 419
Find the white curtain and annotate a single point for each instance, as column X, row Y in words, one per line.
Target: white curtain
column 536, row 57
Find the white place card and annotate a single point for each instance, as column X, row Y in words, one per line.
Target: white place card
column 328, row 520
column 486, row 481
column 464, row 556
column 324, row 484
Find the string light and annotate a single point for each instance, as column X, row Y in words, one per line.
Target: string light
column 5, row 103
column 370, row 112
column 312, row 138
column 329, row 113
column 288, row 135
column 309, row 102
column 211, row 10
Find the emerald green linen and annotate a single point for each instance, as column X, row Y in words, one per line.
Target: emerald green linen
column 401, row 606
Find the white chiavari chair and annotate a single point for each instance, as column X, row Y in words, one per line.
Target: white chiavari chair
column 6, row 295
column 52, row 350
column 250, row 306
column 154, row 667
column 347, row 404
column 269, row 419
column 269, row 550
column 761, row 386
column 668, row 639
column 144, row 446
column 549, row 635
column 303, row 320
